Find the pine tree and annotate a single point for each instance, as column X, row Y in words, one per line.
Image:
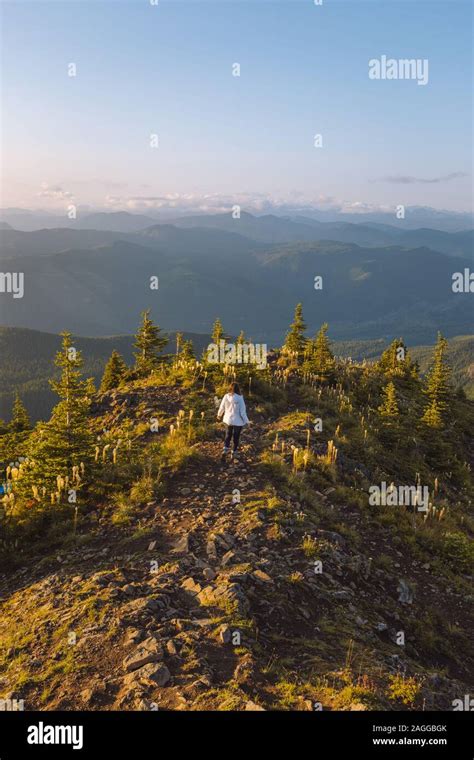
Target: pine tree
column 396, row 361
column 388, row 409
column 20, row 420
column 187, row 350
column 114, row 372
column 148, row 342
column 295, row 341
column 437, row 387
column 320, row 359
column 66, row 440
column 217, row 332
column 240, row 338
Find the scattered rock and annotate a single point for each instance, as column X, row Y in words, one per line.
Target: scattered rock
column 253, row 706
column 148, row 651
column 330, row 535
column 151, row 674
column 181, row 546
column 171, row 648
column 405, row 593
column 133, row 636
column 211, row 550
column 259, row 575
column 190, row 585
column 225, row 634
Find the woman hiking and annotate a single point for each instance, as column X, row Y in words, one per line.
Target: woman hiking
column 232, row 409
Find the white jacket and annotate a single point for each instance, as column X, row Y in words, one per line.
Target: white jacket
column 233, row 408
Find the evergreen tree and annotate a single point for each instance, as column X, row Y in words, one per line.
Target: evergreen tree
column 295, row 341
column 240, row 338
column 396, row 361
column 437, row 387
column 217, row 332
column 187, row 350
column 320, row 359
column 90, row 389
column 20, row 420
column 388, row 409
column 114, row 372
column 66, row 440
column 148, row 342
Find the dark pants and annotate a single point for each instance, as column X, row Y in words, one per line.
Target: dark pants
column 232, row 431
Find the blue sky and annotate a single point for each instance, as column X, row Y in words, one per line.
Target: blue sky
column 167, row 69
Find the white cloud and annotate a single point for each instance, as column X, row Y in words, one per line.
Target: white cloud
column 213, row 203
column 54, row 192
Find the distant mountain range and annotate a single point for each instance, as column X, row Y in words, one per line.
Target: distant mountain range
column 26, row 361
column 274, row 229
column 379, row 282
column 123, row 221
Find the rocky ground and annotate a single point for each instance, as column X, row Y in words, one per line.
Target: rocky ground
column 212, row 599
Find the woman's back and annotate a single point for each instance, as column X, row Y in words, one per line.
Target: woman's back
column 233, row 409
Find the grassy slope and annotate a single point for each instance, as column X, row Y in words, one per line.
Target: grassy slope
column 305, row 638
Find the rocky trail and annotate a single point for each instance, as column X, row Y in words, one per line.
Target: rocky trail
column 208, row 602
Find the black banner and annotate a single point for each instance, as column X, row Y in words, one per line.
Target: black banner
column 377, row 734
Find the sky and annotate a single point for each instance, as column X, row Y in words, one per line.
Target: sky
column 167, row 70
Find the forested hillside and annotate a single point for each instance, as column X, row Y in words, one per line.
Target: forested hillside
column 26, row 360
column 329, row 567
column 26, row 364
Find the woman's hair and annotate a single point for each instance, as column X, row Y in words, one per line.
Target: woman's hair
column 235, row 388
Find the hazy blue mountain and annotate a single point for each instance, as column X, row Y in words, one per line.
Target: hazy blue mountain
column 198, row 241
column 265, row 229
column 15, row 243
column 415, row 217
column 276, row 229
column 26, row 220
column 118, row 221
column 204, row 273
column 201, row 241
